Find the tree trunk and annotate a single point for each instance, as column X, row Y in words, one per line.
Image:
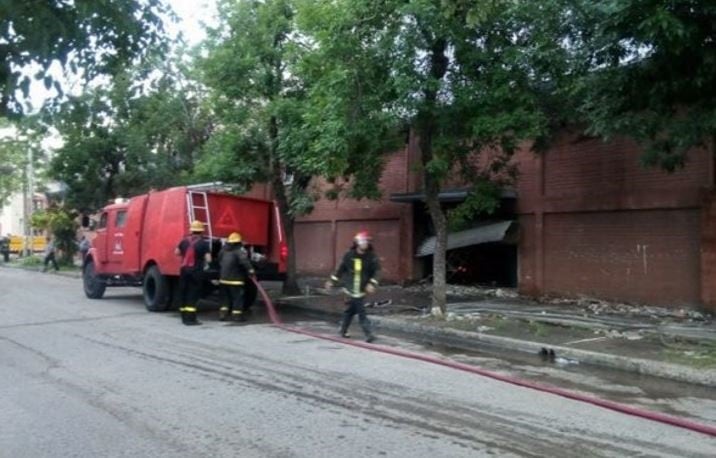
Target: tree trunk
column 439, row 299
column 431, row 183
column 290, row 285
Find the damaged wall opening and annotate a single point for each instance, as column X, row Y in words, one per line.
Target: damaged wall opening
column 484, row 255
column 487, row 264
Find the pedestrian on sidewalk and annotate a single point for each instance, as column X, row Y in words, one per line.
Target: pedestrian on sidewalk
column 358, row 272
column 5, row 248
column 50, row 253
column 235, row 271
column 195, row 255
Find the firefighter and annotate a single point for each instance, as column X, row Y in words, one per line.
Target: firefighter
column 195, row 255
column 358, row 271
column 236, row 269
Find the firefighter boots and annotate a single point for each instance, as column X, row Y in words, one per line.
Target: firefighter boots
column 237, row 315
column 188, row 316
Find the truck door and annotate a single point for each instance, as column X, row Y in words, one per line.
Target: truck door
column 100, row 241
column 115, row 238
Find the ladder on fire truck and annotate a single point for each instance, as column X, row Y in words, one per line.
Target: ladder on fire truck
column 197, row 203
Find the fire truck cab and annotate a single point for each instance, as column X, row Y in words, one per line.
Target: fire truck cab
column 135, row 241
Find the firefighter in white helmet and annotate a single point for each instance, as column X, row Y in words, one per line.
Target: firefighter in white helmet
column 236, row 269
column 195, row 253
column 358, row 272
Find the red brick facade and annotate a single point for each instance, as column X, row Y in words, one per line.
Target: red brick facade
column 593, row 221
column 324, row 235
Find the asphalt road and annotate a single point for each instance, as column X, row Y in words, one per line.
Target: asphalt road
column 106, row 378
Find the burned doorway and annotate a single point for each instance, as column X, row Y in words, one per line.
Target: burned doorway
column 485, row 254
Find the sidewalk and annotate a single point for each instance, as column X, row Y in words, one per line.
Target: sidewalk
column 672, row 343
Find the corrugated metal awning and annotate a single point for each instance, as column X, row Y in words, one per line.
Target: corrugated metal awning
column 447, row 195
column 493, row 232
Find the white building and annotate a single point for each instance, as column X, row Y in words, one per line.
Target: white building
column 12, row 215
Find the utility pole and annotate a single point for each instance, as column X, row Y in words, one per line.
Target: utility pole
column 28, row 193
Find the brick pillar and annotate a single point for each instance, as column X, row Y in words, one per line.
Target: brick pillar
column 708, row 251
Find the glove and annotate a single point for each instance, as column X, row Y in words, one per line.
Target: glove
column 370, row 288
column 328, row 285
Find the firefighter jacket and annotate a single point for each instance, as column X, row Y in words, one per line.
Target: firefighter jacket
column 356, row 270
column 235, row 265
column 193, row 250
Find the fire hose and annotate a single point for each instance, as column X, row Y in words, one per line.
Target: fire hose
column 615, row 406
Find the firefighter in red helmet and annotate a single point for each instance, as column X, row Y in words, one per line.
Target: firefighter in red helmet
column 195, row 255
column 358, row 272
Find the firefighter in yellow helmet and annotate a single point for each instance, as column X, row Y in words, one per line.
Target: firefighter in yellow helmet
column 195, row 252
column 235, row 270
column 358, row 272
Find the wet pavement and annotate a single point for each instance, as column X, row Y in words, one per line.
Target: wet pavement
column 686, row 400
column 612, row 350
column 677, row 343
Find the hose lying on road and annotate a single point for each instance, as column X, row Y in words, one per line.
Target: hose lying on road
column 623, row 408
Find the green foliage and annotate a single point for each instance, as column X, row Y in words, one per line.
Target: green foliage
column 483, row 198
column 348, row 125
column 19, row 142
column 465, row 76
column 258, row 93
column 61, row 223
column 651, row 74
column 129, row 137
column 86, row 37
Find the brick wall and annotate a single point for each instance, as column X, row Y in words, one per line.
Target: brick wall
column 708, row 251
column 324, row 235
column 637, row 255
column 595, row 222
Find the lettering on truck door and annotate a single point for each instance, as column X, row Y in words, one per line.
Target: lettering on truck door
column 118, row 220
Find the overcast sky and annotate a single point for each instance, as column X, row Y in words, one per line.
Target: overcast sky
column 192, row 14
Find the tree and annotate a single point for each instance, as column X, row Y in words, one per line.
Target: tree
column 61, row 223
column 470, row 79
column 20, row 143
column 139, row 133
column 648, row 70
column 259, row 96
column 85, row 37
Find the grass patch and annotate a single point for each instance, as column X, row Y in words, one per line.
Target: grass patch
column 698, row 355
column 29, row 261
column 538, row 329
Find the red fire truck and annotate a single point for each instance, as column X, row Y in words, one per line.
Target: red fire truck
column 135, row 240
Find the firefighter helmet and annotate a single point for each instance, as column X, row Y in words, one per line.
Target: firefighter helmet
column 362, row 235
column 196, row 226
column 234, row 237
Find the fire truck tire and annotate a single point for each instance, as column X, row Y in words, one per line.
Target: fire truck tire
column 93, row 285
column 155, row 289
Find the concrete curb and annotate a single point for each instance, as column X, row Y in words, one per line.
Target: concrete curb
column 474, row 341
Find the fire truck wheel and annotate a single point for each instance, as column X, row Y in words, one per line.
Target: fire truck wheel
column 156, row 290
column 94, row 286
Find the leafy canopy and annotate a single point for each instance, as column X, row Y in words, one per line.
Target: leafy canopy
column 649, row 72
column 85, row 37
column 127, row 138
